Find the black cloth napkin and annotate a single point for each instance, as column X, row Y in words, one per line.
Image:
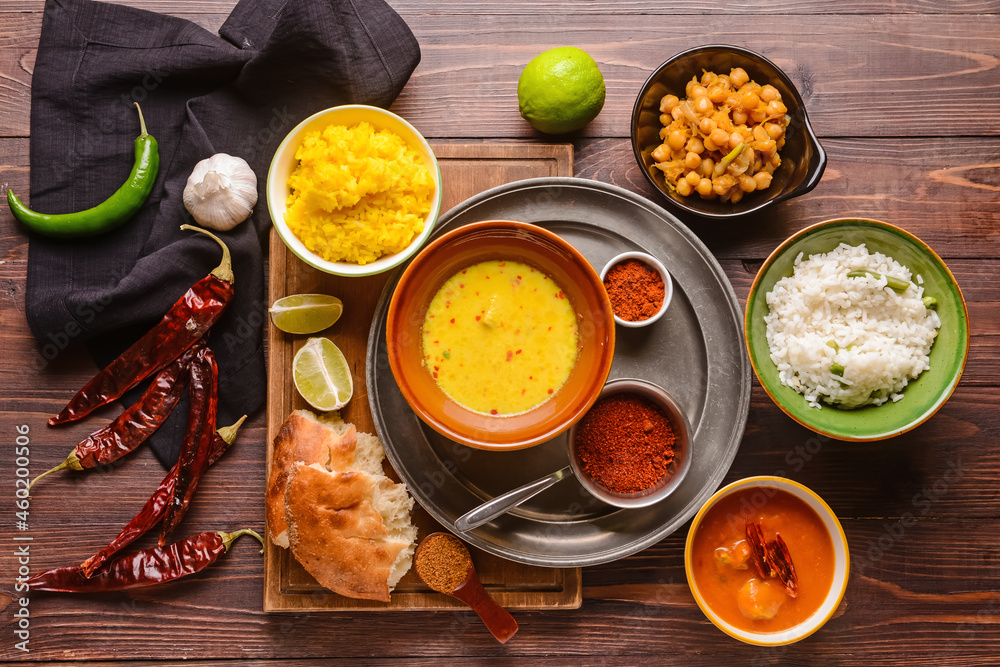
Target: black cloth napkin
column 273, row 63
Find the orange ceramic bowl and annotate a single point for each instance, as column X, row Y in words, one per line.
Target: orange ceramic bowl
column 514, row 241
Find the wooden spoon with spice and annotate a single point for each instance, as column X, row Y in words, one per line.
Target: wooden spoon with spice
column 444, row 564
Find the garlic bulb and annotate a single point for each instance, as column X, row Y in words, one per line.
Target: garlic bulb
column 221, row 191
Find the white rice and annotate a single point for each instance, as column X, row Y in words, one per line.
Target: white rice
column 890, row 334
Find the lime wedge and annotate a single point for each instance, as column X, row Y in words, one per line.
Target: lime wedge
column 322, row 375
column 306, row 313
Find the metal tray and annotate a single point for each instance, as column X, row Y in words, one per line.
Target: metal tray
column 695, row 352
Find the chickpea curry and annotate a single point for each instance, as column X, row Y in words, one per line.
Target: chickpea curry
column 722, row 140
column 762, row 560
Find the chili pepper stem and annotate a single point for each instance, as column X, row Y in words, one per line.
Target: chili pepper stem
column 228, row 433
column 72, row 462
column 224, row 271
column 142, row 121
column 229, row 538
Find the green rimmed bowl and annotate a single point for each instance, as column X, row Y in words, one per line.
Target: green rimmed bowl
column 923, row 396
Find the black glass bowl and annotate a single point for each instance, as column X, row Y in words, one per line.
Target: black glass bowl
column 802, row 158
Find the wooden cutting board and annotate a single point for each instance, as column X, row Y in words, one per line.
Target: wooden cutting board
column 466, row 169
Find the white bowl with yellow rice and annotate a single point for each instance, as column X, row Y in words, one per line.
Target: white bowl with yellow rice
column 354, row 190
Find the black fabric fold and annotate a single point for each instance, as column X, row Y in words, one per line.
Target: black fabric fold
column 240, row 92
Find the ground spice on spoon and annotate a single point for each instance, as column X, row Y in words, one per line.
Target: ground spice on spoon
column 443, row 562
column 636, row 290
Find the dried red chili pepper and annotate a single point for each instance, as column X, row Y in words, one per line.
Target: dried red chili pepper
column 193, row 458
column 781, row 559
column 156, row 506
column 135, row 424
column 144, row 568
column 758, row 550
column 184, row 324
column 772, row 559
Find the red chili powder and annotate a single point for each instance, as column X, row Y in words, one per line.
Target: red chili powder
column 625, row 443
column 636, row 290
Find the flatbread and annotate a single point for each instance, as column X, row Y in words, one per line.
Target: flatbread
column 303, row 439
column 338, row 535
column 329, row 500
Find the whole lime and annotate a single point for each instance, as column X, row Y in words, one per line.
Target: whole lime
column 561, row 90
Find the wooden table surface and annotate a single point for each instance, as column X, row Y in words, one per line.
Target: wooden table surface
column 904, row 95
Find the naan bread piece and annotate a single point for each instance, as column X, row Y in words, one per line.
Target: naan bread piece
column 350, row 530
column 306, row 439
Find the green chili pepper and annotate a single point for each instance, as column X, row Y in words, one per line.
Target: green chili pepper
column 837, row 369
column 724, row 162
column 107, row 215
column 895, row 284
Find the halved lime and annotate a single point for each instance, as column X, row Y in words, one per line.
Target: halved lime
column 306, row 313
column 322, row 375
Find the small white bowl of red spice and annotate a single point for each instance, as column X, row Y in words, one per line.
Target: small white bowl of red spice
column 633, row 447
column 640, row 288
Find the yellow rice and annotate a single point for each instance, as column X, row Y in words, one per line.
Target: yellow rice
column 357, row 193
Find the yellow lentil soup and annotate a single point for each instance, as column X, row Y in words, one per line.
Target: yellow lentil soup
column 500, row 337
column 357, row 193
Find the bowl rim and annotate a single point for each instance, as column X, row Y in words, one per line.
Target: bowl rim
column 425, row 416
column 754, row 287
column 669, row 404
column 668, row 284
column 815, row 170
column 809, row 626
column 349, row 269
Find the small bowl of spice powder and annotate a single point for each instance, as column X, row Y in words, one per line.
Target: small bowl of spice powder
column 633, row 447
column 639, row 286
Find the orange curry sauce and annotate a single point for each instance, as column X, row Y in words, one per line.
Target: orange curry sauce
column 729, row 583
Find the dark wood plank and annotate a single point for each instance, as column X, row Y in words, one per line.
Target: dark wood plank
column 638, row 7
column 914, row 75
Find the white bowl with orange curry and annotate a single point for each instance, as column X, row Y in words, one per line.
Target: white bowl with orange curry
column 767, row 561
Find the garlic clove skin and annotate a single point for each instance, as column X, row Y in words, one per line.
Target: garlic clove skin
column 221, row 192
